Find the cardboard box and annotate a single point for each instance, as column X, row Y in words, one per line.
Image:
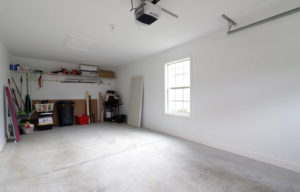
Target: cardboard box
column 106, row 74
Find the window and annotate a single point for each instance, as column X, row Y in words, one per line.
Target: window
column 177, row 85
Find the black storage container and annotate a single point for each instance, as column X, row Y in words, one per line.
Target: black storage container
column 120, row 118
column 65, row 112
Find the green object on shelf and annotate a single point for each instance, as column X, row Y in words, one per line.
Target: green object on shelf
column 20, row 113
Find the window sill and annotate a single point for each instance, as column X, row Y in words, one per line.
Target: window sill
column 179, row 115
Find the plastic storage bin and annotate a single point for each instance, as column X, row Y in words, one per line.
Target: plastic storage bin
column 65, row 112
column 82, row 119
column 44, row 107
column 45, row 121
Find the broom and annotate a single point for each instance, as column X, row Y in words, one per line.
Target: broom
column 27, row 98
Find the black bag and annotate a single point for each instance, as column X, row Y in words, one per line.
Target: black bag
column 112, row 101
column 120, row 118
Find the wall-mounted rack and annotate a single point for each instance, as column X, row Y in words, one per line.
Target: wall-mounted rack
column 62, row 78
column 232, row 23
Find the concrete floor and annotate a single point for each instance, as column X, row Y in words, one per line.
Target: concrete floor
column 119, row 158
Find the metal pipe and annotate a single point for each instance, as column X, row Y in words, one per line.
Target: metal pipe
column 170, row 13
column 284, row 14
column 229, row 20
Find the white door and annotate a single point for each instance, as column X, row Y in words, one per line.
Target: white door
column 136, row 101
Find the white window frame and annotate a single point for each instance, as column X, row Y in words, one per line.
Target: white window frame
column 166, row 88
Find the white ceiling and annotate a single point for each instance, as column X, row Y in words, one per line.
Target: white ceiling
column 42, row 28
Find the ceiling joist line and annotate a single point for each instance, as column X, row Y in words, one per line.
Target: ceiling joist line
column 232, row 23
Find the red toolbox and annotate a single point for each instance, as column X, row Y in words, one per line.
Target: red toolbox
column 82, row 119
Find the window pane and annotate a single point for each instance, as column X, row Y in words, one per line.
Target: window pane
column 179, row 68
column 179, row 106
column 172, row 106
column 172, row 94
column 186, row 80
column 186, row 95
column 171, row 80
column 179, row 80
column 186, row 107
column 178, row 87
column 171, row 69
column 179, row 94
column 186, row 68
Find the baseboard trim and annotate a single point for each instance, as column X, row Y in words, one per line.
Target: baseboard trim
column 272, row 161
column 265, row 159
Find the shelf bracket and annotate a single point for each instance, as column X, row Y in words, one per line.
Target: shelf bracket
column 230, row 21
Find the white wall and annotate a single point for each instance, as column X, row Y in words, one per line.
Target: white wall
column 245, row 92
column 4, row 68
column 55, row 89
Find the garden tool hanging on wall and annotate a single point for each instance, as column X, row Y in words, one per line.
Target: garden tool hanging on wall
column 40, row 81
